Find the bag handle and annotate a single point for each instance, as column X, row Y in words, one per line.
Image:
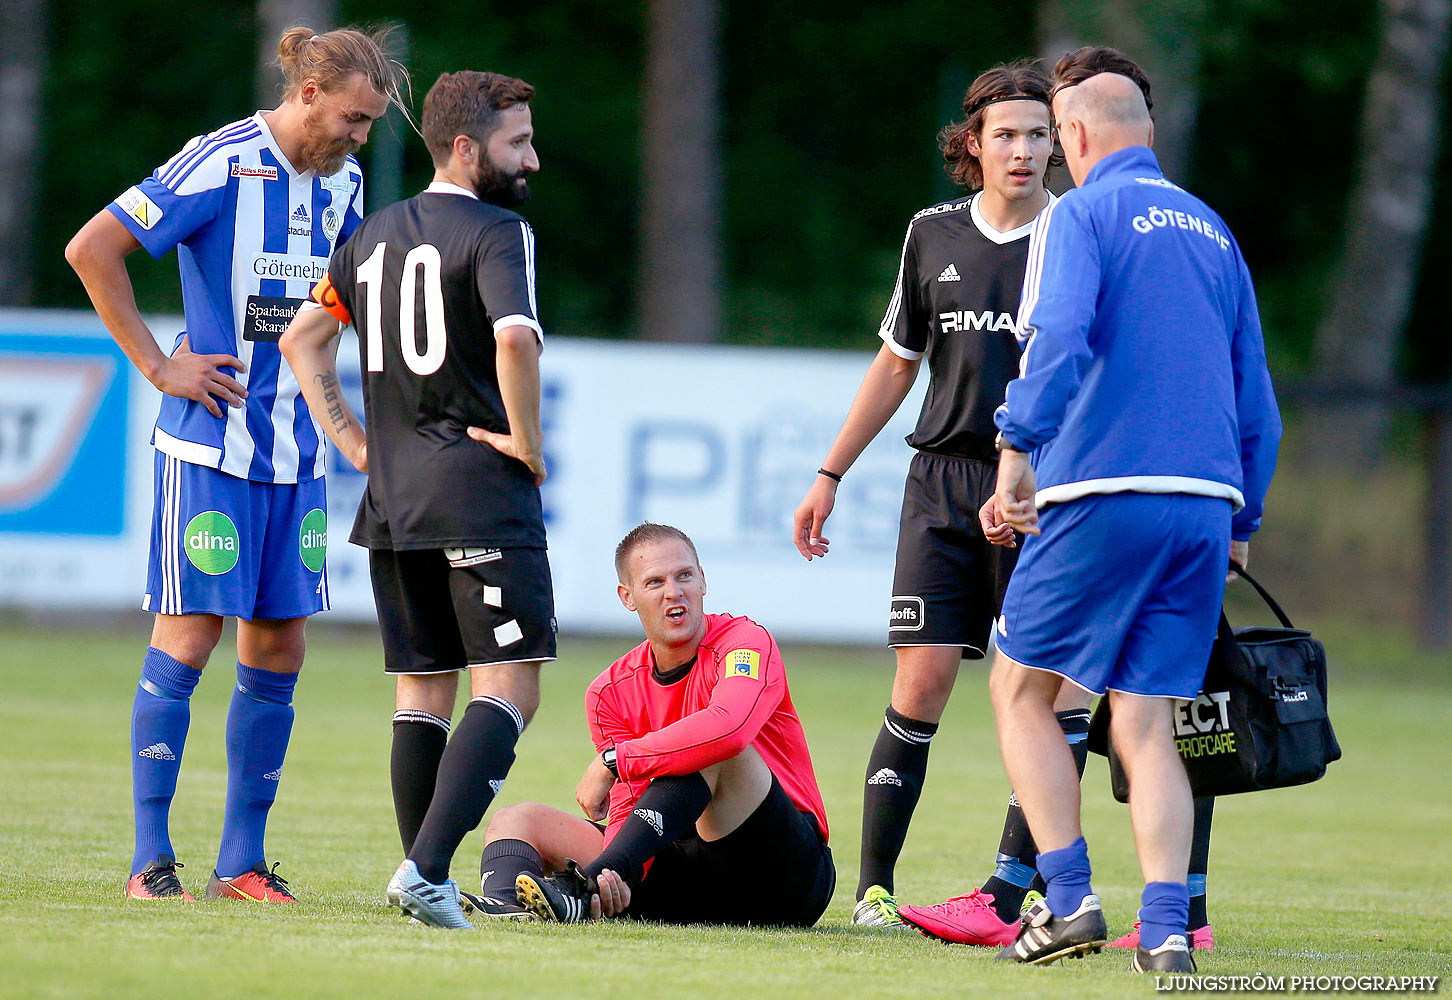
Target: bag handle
column 1239, row 570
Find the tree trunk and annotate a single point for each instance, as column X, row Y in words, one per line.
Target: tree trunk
column 1370, row 289
column 273, row 18
column 1163, row 36
column 680, row 263
column 22, row 68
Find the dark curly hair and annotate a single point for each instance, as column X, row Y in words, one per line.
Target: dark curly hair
column 1022, row 78
column 467, row 103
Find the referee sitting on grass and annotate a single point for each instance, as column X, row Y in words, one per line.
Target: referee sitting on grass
column 704, row 782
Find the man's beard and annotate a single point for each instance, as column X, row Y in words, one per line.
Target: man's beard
column 502, row 189
column 324, row 156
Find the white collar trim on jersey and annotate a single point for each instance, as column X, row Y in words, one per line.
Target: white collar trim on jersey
column 291, row 168
column 444, row 187
column 993, row 235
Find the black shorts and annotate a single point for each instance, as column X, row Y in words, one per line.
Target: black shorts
column 949, row 582
column 446, row 609
column 772, row 870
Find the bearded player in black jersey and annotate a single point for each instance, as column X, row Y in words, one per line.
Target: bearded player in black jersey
column 441, row 290
column 955, row 303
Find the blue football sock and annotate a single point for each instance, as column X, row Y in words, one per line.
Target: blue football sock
column 1067, row 873
column 160, row 716
column 1164, row 910
column 258, row 726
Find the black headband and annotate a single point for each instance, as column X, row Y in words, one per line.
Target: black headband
column 1009, row 97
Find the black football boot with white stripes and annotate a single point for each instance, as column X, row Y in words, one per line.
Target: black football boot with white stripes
column 1045, row 938
column 1172, row 956
column 563, row 897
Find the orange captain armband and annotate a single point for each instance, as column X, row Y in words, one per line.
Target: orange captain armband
column 325, row 295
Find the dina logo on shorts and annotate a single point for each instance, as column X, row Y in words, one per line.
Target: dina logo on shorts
column 211, row 542
column 906, row 614
column 312, row 540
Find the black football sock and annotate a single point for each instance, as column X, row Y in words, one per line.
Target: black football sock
column 895, row 773
column 471, row 772
column 418, row 743
column 1016, row 850
column 665, row 812
column 1200, row 862
column 503, row 861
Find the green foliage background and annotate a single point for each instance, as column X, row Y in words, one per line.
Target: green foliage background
column 829, row 120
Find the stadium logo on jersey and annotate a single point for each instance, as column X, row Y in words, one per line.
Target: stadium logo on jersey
column 211, row 542
column 330, row 223
column 743, row 663
column 962, row 322
column 906, row 615
column 952, row 206
column 157, row 751
column 266, row 173
column 653, row 818
column 312, row 540
column 886, row 776
column 300, row 224
column 950, row 273
column 140, row 208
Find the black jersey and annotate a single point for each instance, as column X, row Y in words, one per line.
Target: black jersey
column 428, row 282
column 956, row 301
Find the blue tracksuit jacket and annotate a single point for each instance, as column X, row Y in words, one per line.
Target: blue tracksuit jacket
column 1144, row 368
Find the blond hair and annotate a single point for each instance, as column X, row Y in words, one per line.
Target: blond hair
column 332, row 57
column 645, row 534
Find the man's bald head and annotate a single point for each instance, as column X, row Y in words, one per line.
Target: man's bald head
column 1098, row 116
column 1108, row 101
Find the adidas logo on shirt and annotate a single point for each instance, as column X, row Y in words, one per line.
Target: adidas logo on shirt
column 495, row 784
column 300, row 224
column 273, row 775
column 949, row 273
column 886, row 776
column 653, row 818
column 157, row 751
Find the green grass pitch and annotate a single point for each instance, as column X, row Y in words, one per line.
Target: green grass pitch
column 1348, row 876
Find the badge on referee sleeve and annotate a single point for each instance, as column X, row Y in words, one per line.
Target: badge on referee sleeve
column 744, row 663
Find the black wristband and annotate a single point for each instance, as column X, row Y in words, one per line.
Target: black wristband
column 830, row 475
column 607, row 757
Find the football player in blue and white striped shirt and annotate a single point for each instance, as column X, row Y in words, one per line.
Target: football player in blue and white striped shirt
column 254, row 210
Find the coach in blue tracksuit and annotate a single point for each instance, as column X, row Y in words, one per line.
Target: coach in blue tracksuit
column 1145, row 427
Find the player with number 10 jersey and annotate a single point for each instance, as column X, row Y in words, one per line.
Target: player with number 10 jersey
column 466, row 268
column 441, row 290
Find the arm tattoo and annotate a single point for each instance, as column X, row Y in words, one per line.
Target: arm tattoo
column 329, row 382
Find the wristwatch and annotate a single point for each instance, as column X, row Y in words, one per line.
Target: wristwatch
column 1001, row 443
column 607, row 757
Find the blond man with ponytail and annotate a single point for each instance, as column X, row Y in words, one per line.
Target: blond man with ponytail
column 239, row 526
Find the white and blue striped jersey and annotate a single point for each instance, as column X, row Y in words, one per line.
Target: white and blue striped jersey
column 252, row 237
